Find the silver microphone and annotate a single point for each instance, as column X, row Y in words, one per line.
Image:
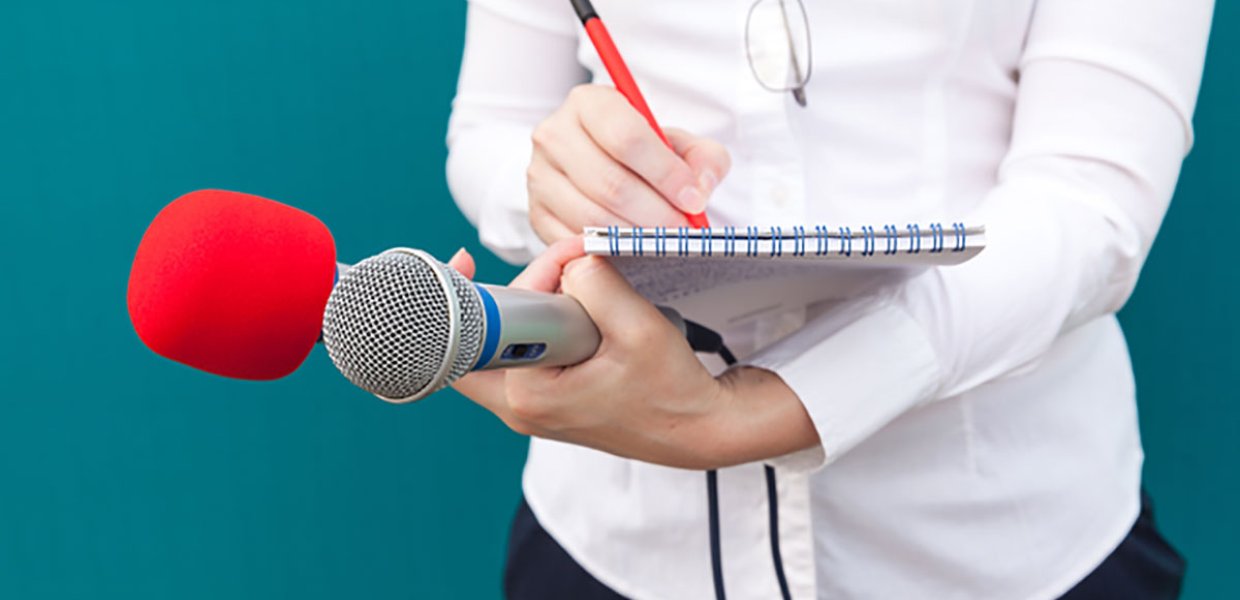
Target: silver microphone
column 402, row 325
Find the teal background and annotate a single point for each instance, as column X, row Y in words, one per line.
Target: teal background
column 123, row 475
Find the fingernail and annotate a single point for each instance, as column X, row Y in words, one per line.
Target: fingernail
column 459, row 254
column 707, row 182
column 691, row 200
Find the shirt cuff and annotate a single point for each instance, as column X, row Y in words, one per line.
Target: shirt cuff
column 855, row 368
column 504, row 222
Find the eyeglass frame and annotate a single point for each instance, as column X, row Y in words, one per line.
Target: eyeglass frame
column 798, row 91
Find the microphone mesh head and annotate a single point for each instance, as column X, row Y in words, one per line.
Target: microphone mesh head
column 402, row 325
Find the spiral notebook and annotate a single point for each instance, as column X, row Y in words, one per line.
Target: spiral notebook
column 933, row 243
column 763, row 269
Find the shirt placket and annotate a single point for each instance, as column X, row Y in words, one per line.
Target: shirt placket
column 772, row 173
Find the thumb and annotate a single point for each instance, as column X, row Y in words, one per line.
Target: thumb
column 543, row 273
column 612, row 303
column 463, row 262
column 708, row 159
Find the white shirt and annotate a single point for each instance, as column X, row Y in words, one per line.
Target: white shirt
column 978, row 423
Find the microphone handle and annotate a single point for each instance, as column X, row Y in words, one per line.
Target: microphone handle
column 528, row 329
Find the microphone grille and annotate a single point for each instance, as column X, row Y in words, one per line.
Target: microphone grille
column 471, row 325
column 402, row 325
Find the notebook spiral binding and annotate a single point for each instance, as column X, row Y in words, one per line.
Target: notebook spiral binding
column 798, row 239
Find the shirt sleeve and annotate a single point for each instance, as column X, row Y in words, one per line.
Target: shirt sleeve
column 519, row 64
column 1103, row 121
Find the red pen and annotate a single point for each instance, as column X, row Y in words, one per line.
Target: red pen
column 621, row 76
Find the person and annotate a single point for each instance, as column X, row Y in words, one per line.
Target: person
column 965, row 432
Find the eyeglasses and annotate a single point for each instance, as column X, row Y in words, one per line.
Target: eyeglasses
column 778, row 46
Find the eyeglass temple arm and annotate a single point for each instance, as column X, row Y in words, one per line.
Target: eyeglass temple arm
column 798, row 92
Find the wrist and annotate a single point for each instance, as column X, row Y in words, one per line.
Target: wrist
column 759, row 417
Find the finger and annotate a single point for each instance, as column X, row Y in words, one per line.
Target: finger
column 625, row 135
column 612, row 303
column 548, row 227
column 488, row 389
column 543, row 274
column 463, row 262
column 552, row 189
column 607, row 182
column 709, row 160
column 485, row 388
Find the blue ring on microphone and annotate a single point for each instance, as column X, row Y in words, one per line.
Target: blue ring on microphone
column 492, row 326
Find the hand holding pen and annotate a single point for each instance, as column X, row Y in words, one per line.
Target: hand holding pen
column 601, row 159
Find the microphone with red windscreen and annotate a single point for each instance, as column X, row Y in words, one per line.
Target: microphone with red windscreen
column 243, row 286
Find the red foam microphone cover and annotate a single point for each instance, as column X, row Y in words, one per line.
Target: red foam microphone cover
column 232, row 284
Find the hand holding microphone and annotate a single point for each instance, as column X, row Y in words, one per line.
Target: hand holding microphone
column 642, row 395
column 639, row 392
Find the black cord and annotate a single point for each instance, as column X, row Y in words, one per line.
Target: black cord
column 704, row 339
column 772, row 502
column 716, row 550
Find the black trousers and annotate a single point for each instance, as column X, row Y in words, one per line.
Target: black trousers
column 1143, row 567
